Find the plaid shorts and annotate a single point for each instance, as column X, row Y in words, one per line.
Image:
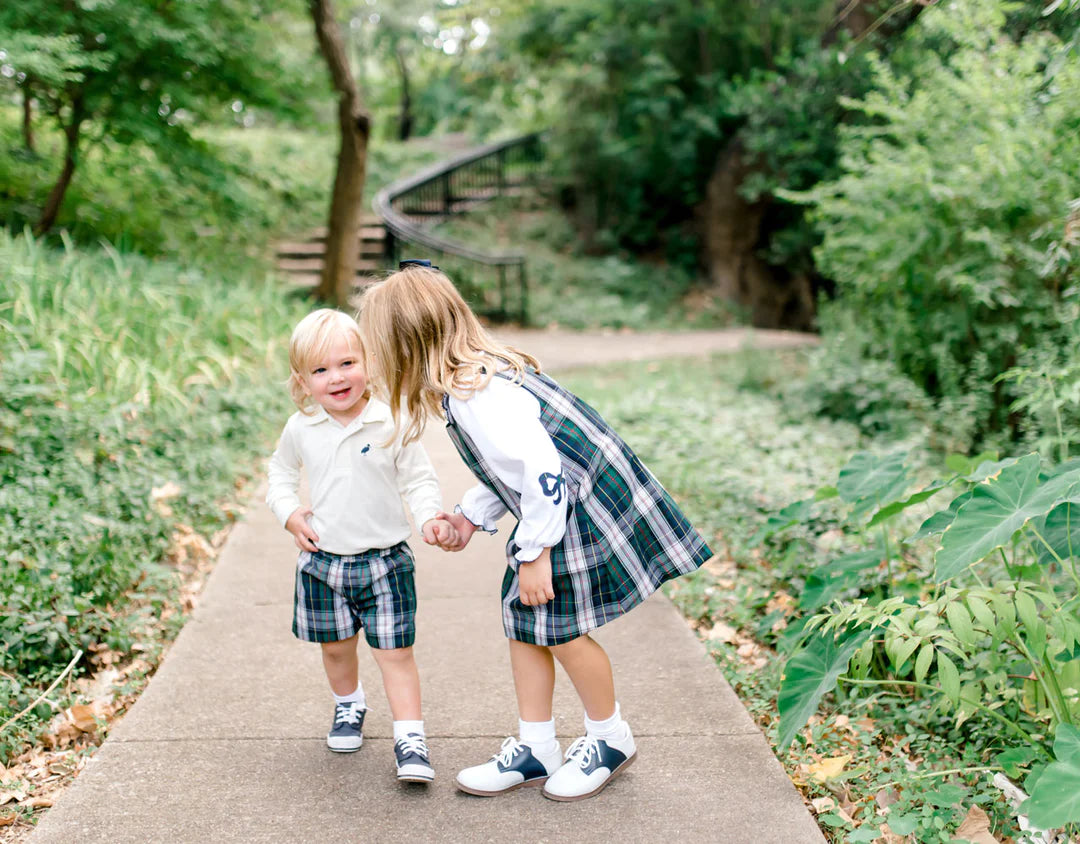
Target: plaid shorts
column 337, row 595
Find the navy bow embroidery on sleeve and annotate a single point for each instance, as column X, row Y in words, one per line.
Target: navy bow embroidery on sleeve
column 552, row 486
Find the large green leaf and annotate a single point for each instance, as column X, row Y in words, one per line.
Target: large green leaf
column 937, row 523
column 1061, row 530
column 999, row 507
column 890, row 510
column 808, row 676
column 835, row 577
column 868, row 480
column 1055, row 795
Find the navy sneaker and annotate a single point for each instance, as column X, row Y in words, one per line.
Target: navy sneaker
column 591, row 764
column 413, row 763
column 516, row 765
column 347, row 732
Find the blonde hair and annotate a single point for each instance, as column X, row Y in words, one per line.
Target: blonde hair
column 310, row 342
column 425, row 342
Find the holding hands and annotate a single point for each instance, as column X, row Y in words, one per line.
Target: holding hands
column 462, row 531
column 442, row 532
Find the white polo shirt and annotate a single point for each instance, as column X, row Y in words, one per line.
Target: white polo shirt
column 357, row 484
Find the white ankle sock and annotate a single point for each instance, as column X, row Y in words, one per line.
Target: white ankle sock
column 539, row 735
column 403, row 728
column 356, row 697
column 610, row 729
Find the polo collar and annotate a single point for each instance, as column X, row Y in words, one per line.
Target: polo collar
column 375, row 411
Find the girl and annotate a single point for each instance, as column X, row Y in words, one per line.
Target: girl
column 596, row 533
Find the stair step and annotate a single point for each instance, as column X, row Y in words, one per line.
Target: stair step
column 366, row 232
column 312, row 279
column 315, row 265
column 315, row 249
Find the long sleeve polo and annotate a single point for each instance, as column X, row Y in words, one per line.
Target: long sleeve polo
column 357, row 485
column 503, row 421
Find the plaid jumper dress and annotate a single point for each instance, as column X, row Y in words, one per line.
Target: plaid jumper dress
column 624, row 534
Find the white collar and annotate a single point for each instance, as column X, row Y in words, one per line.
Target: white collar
column 374, row 411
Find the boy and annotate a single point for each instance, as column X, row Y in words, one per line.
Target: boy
column 355, row 570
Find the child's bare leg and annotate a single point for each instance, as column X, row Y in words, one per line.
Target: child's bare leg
column 342, row 665
column 589, row 669
column 401, row 681
column 534, row 680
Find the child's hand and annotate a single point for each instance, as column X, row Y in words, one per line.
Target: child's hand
column 440, row 532
column 463, row 530
column 534, row 580
column 297, row 524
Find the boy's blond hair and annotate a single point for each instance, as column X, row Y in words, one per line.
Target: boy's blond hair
column 310, row 342
column 423, row 342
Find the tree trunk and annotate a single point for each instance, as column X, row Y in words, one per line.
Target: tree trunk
column 28, row 117
column 342, row 241
column 405, row 118
column 71, row 158
column 731, row 227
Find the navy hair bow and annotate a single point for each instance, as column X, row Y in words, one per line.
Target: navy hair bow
column 416, row 262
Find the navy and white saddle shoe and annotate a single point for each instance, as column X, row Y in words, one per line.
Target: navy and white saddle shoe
column 347, row 732
column 591, row 764
column 413, row 762
column 516, row 765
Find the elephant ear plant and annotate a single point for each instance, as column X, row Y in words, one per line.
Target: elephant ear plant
column 989, row 625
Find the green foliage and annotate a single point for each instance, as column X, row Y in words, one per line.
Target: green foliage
column 1004, row 651
column 146, row 74
column 949, row 231
column 1055, row 796
column 120, row 376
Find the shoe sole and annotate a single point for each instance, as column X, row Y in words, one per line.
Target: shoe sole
column 412, row 775
column 533, row 783
column 559, row 798
column 346, row 749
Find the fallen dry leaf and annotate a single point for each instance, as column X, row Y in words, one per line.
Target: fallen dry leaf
column 826, row 769
column 7, row 820
column 165, row 491
column 976, row 828
column 37, row 803
column 823, row 804
column 12, row 796
column 82, row 716
column 721, row 632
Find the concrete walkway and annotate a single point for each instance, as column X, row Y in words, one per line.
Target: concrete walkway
column 227, row 743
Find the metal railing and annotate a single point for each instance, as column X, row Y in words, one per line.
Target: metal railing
column 411, row 206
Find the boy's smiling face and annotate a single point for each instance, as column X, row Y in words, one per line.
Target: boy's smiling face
column 337, row 380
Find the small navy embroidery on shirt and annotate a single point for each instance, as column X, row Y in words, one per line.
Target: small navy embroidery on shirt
column 364, row 450
column 552, row 486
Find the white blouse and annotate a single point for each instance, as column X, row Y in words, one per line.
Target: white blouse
column 503, row 421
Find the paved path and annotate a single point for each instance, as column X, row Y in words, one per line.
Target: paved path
column 227, row 742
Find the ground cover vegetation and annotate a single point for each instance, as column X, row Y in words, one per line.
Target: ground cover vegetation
column 952, row 666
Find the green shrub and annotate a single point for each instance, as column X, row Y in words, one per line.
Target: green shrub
column 949, row 233
column 119, row 376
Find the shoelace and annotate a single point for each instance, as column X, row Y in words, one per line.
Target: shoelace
column 346, row 713
column 413, row 743
column 511, row 747
column 582, row 750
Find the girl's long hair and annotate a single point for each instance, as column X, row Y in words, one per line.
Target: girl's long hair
column 423, row 342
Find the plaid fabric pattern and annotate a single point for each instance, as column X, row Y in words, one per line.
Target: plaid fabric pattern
column 624, row 534
column 338, row 595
